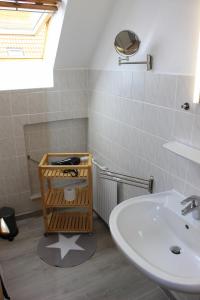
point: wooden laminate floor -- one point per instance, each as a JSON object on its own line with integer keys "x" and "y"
{"x": 107, "y": 275}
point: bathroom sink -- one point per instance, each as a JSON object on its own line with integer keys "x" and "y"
{"x": 162, "y": 243}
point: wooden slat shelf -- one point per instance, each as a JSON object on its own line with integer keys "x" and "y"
{"x": 48, "y": 157}
{"x": 61, "y": 215}
{"x": 69, "y": 222}
{"x": 55, "y": 198}
{"x": 59, "y": 173}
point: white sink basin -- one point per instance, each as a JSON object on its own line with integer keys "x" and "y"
{"x": 145, "y": 228}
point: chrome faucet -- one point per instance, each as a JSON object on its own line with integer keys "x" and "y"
{"x": 193, "y": 203}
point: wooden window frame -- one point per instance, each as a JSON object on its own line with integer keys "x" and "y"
{"x": 33, "y": 5}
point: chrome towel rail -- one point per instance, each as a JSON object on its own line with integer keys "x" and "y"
{"x": 105, "y": 173}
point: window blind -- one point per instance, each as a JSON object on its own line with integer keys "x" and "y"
{"x": 33, "y": 5}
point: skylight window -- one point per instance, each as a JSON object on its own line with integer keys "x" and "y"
{"x": 20, "y": 22}
{"x": 23, "y": 34}
{"x": 29, "y": 36}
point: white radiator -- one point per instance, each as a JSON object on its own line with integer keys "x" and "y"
{"x": 104, "y": 195}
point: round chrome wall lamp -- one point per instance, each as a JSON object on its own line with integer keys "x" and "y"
{"x": 127, "y": 44}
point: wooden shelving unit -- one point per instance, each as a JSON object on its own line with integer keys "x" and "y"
{"x": 59, "y": 214}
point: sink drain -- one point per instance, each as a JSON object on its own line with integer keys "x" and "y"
{"x": 175, "y": 249}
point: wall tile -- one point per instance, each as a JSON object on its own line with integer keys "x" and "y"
{"x": 162, "y": 180}
{"x": 152, "y": 150}
{"x": 2, "y": 189}
{"x": 189, "y": 190}
{"x": 53, "y": 116}
{"x": 70, "y": 79}
{"x": 5, "y": 104}
{"x": 11, "y": 184}
{"x": 18, "y": 124}
{"x": 160, "y": 89}
{"x": 38, "y": 140}
{"x": 96, "y": 101}
{"x": 173, "y": 164}
{"x": 193, "y": 174}
{"x": 73, "y": 101}
{"x": 129, "y": 112}
{"x": 110, "y": 105}
{"x": 196, "y": 131}
{"x": 37, "y": 103}
{"x": 148, "y": 149}
{"x": 138, "y": 86}
{"x": 25, "y": 205}
{"x": 184, "y": 92}
{"x": 113, "y": 82}
{"x": 19, "y": 103}
{"x": 94, "y": 79}
{"x": 122, "y": 84}
{"x": 12, "y": 200}
{"x": 53, "y": 101}
{"x": 9, "y": 167}
{"x": 20, "y": 148}
{"x": 182, "y": 130}
{"x": 6, "y": 130}
{"x": 22, "y": 169}
{"x": 158, "y": 121}
{"x": 37, "y": 118}
{"x": 102, "y": 81}
{"x": 22, "y": 203}
{"x": 7, "y": 148}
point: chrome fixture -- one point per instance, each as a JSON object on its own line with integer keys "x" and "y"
{"x": 146, "y": 184}
{"x": 148, "y": 62}
{"x": 193, "y": 203}
{"x": 185, "y": 106}
{"x": 127, "y": 43}
{"x": 175, "y": 249}
{"x": 105, "y": 173}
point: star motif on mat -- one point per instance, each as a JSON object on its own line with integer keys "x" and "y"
{"x": 66, "y": 244}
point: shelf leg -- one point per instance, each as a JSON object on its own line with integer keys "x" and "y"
{"x": 49, "y": 184}
{"x": 41, "y": 178}
{"x": 90, "y": 198}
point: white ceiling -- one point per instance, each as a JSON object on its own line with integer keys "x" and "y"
{"x": 83, "y": 25}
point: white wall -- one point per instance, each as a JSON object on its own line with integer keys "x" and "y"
{"x": 83, "y": 24}
{"x": 168, "y": 29}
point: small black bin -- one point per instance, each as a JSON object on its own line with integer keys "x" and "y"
{"x": 8, "y": 226}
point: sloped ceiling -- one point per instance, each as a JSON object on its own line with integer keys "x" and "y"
{"x": 83, "y": 25}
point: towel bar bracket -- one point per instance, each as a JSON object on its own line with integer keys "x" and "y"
{"x": 142, "y": 183}
{"x": 148, "y": 62}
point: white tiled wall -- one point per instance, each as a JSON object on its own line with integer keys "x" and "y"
{"x": 58, "y": 136}
{"x": 66, "y": 101}
{"x": 131, "y": 116}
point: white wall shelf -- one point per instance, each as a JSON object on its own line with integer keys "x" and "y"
{"x": 184, "y": 151}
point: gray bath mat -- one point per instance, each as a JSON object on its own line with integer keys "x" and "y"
{"x": 66, "y": 250}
